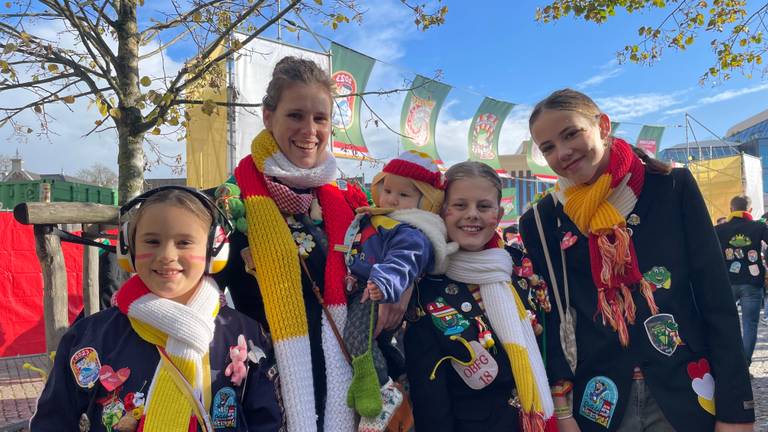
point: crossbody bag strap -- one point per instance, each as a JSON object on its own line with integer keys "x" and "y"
{"x": 550, "y": 269}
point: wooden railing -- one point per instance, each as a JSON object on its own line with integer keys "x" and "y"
{"x": 95, "y": 219}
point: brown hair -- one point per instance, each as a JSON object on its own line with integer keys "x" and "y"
{"x": 174, "y": 197}
{"x": 291, "y": 70}
{"x": 571, "y": 100}
{"x": 471, "y": 169}
{"x": 740, "y": 203}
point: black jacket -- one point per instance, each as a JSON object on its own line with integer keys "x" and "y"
{"x": 110, "y": 335}
{"x": 741, "y": 243}
{"x": 674, "y": 237}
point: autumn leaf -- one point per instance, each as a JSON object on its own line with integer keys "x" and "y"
{"x": 53, "y": 68}
{"x": 115, "y": 113}
{"x": 155, "y": 131}
{"x": 68, "y": 99}
{"x": 146, "y": 81}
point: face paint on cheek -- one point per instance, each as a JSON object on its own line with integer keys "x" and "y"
{"x": 144, "y": 256}
{"x": 197, "y": 258}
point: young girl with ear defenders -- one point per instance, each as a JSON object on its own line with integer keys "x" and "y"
{"x": 169, "y": 356}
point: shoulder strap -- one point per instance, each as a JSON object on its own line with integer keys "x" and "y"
{"x": 550, "y": 269}
{"x": 185, "y": 387}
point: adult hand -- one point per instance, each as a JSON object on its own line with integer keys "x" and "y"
{"x": 568, "y": 425}
{"x": 391, "y": 314}
{"x": 734, "y": 427}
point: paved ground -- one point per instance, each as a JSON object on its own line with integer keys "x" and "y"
{"x": 19, "y": 388}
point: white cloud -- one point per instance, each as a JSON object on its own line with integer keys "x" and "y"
{"x": 730, "y": 94}
{"x": 624, "y": 108}
{"x": 607, "y": 71}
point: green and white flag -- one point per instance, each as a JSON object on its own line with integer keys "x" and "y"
{"x": 509, "y": 204}
{"x": 484, "y": 132}
{"x": 650, "y": 139}
{"x": 614, "y": 128}
{"x": 419, "y": 116}
{"x": 351, "y": 71}
{"x": 537, "y": 163}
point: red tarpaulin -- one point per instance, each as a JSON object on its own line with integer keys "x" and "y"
{"x": 22, "y": 330}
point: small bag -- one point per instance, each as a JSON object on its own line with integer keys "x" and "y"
{"x": 567, "y": 320}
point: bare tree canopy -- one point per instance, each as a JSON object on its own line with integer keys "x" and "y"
{"x": 734, "y": 29}
{"x": 98, "y": 174}
{"x": 96, "y": 47}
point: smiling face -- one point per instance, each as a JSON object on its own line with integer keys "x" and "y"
{"x": 472, "y": 212}
{"x": 573, "y": 144}
{"x": 301, "y": 123}
{"x": 170, "y": 250}
{"x": 398, "y": 192}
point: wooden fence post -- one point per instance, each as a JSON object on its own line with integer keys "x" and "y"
{"x": 48, "y": 248}
{"x": 90, "y": 280}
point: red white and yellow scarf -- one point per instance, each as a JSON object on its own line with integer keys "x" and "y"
{"x": 599, "y": 210}
{"x": 276, "y": 262}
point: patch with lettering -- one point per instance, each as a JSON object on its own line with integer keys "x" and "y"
{"x": 85, "y": 366}
{"x": 481, "y": 372}
{"x": 599, "y": 400}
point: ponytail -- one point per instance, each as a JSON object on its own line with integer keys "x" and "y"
{"x": 653, "y": 165}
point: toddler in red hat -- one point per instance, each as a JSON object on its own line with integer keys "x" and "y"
{"x": 387, "y": 249}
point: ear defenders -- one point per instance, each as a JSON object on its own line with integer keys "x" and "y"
{"x": 217, "y": 249}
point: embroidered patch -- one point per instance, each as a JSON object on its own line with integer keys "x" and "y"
{"x": 739, "y": 240}
{"x": 112, "y": 412}
{"x": 481, "y": 372}
{"x": 523, "y": 284}
{"x": 703, "y": 384}
{"x": 754, "y": 270}
{"x": 452, "y": 289}
{"x": 599, "y": 400}
{"x": 525, "y": 269}
{"x": 752, "y": 255}
{"x": 739, "y": 253}
{"x": 633, "y": 219}
{"x": 659, "y": 276}
{"x": 568, "y": 240}
{"x": 111, "y": 379}
{"x": 729, "y": 254}
{"x": 663, "y": 333}
{"x": 85, "y": 366}
{"x": 224, "y": 409}
{"x": 446, "y": 318}
{"x": 735, "y": 267}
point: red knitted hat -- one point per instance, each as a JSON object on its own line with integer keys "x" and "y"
{"x": 418, "y": 166}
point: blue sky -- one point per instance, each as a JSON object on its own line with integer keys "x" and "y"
{"x": 496, "y": 50}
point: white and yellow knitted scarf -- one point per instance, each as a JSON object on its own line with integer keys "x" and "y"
{"x": 491, "y": 269}
{"x": 185, "y": 333}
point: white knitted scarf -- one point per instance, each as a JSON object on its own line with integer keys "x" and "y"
{"x": 189, "y": 327}
{"x": 492, "y": 269}
{"x": 278, "y": 166}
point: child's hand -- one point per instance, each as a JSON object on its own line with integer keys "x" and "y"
{"x": 373, "y": 292}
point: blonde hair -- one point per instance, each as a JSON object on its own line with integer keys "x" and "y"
{"x": 472, "y": 169}
{"x": 174, "y": 197}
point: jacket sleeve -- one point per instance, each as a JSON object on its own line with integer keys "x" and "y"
{"x": 260, "y": 405}
{"x": 407, "y": 254}
{"x": 556, "y": 364}
{"x": 712, "y": 293}
{"x": 58, "y": 406}
{"x": 432, "y": 410}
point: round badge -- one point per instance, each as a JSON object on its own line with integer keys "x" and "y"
{"x": 452, "y": 289}
{"x": 466, "y": 307}
{"x": 633, "y": 219}
{"x": 523, "y": 284}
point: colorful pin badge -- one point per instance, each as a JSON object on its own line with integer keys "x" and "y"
{"x": 740, "y": 240}
{"x": 112, "y": 412}
{"x": 111, "y": 379}
{"x": 633, "y": 219}
{"x": 599, "y": 400}
{"x": 663, "y": 332}
{"x": 84, "y": 425}
{"x": 703, "y": 384}
{"x": 466, "y": 307}
{"x": 735, "y": 267}
{"x": 523, "y": 284}
{"x": 224, "y": 409}
{"x": 752, "y": 255}
{"x": 729, "y": 254}
{"x": 738, "y": 253}
{"x": 481, "y": 372}
{"x": 754, "y": 270}
{"x": 446, "y": 318}
{"x": 659, "y": 276}
{"x": 568, "y": 240}
{"x": 85, "y": 367}
{"x": 452, "y": 289}
{"x": 525, "y": 269}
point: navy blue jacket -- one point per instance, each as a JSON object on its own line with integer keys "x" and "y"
{"x": 110, "y": 335}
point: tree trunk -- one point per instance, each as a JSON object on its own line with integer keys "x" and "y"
{"x": 130, "y": 158}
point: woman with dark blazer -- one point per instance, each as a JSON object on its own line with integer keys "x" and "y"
{"x": 656, "y": 329}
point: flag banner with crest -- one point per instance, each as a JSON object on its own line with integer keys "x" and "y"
{"x": 650, "y": 139}
{"x": 509, "y": 204}
{"x": 614, "y": 128}
{"x": 351, "y": 71}
{"x": 485, "y": 130}
{"x": 537, "y": 163}
{"x": 419, "y": 116}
